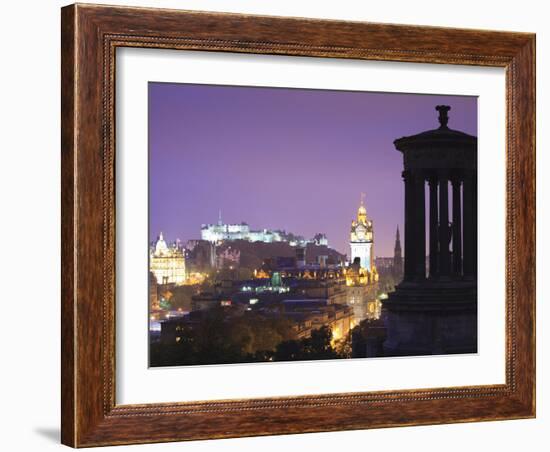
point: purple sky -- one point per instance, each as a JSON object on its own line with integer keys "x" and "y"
{"x": 289, "y": 159}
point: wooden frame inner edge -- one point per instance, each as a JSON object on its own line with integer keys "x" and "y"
{"x": 111, "y": 43}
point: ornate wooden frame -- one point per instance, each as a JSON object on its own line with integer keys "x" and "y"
{"x": 90, "y": 35}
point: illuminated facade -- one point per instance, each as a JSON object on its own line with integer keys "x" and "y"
{"x": 361, "y": 274}
{"x": 228, "y": 257}
{"x": 167, "y": 263}
{"x": 362, "y": 290}
{"x": 320, "y": 240}
{"x": 361, "y": 239}
{"x": 221, "y": 231}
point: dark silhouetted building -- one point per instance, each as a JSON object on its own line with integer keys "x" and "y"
{"x": 435, "y": 311}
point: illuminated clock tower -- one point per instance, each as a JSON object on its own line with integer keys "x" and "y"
{"x": 361, "y": 238}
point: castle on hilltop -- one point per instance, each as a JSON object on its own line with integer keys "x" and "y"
{"x": 221, "y": 231}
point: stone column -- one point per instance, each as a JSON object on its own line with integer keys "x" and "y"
{"x": 409, "y": 273}
{"x": 444, "y": 231}
{"x": 420, "y": 226}
{"x": 457, "y": 228}
{"x": 432, "y": 181}
{"x": 469, "y": 231}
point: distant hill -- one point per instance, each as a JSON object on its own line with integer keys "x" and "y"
{"x": 253, "y": 254}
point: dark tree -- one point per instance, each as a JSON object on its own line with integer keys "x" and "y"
{"x": 289, "y": 351}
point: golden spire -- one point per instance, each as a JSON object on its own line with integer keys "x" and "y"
{"x": 362, "y": 211}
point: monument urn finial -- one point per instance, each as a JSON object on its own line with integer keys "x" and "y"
{"x": 443, "y": 115}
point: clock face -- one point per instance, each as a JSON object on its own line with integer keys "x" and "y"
{"x": 361, "y": 232}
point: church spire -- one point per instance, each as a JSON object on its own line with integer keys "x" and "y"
{"x": 397, "y": 256}
{"x": 397, "y": 249}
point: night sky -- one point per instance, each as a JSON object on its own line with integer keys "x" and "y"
{"x": 290, "y": 159}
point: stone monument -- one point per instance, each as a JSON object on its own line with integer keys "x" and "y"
{"x": 434, "y": 309}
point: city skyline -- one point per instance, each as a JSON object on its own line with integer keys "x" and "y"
{"x": 278, "y": 158}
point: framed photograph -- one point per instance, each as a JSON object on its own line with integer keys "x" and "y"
{"x": 282, "y": 225}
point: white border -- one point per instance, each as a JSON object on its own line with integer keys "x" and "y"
{"x": 135, "y": 383}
